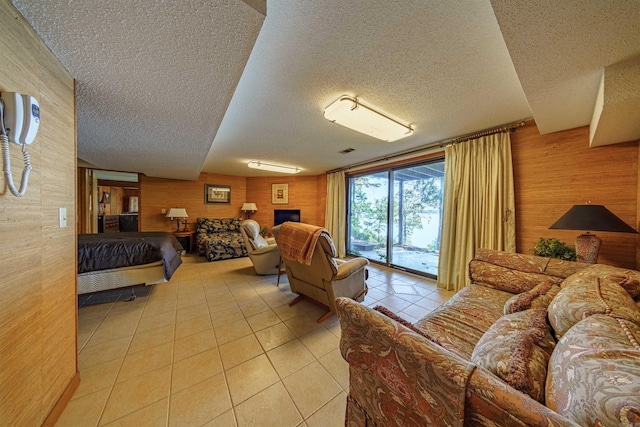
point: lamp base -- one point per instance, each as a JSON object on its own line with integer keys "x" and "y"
{"x": 587, "y": 248}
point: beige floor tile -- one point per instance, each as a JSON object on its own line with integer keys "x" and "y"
{"x": 311, "y": 388}
{"x": 136, "y": 364}
{"x": 253, "y": 307}
{"x": 139, "y": 392}
{"x": 228, "y": 318}
{"x": 337, "y": 367}
{"x": 274, "y": 336}
{"x": 415, "y": 311}
{"x": 320, "y": 342}
{"x": 239, "y": 351}
{"x": 261, "y": 410}
{"x": 193, "y": 326}
{"x": 200, "y": 403}
{"x": 155, "y": 321}
{"x": 194, "y": 344}
{"x": 330, "y": 415}
{"x": 195, "y": 369}
{"x": 232, "y": 331}
{"x": 263, "y": 320}
{"x": 155, "y": 414}
{"x": 92, "y": 355}
{"x": 228, "y": 419}
{"x": 85, "y": 411}
{"x": 250, "y": 378}
{"x": 189, "y": 312}
{"x": 290, "y": 357}
{"x": 98, "y": 377}
{"x": 143, "y": 340}
{"x": 394, "y": 303}
{"x": 222, "y": 317}
{"x": 302, "y": 325}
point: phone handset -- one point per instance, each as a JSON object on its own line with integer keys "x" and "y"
{"x": 19, "y": 123}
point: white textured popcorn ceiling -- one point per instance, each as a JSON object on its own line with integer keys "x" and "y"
{"x": 174, "y": 88}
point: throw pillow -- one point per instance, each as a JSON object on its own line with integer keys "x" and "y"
{"x": 594, "y": 374}
{"x": 540, "y": 296}
{"x": 517, "y": 348}
{"x": 583, "y": 296}
{"x": 628, "y": 279}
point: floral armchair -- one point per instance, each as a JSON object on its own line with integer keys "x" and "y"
{"x": 220, "y": 238}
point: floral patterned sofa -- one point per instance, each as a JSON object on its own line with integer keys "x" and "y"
{"x": 220, "y": 238}
{"x": 531, "y": 342}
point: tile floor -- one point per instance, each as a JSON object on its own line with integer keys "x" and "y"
{"x": 219, "y": 346}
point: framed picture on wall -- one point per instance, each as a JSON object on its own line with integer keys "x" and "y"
{"x": 217, "y": 194}
{"x": 280, "y": 194}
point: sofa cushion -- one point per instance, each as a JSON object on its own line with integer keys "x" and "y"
{"x": 594, "y": 373}
{"x": 628, "y": 279}
{"x": 540, "y": 296}
{"x": 458, "y": 324}
{"x": 517, "y": 349}
{"x": 584, "y": 295}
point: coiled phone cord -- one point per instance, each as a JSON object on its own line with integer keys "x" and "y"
{"x": 6, "y": 167}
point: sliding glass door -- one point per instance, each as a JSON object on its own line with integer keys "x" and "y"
{"x": 395, "y": 216}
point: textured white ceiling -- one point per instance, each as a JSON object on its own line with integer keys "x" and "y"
{"x": 560, "y": 49}
{"x": 155, "y": 78}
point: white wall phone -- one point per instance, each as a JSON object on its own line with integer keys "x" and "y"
{"x": 19, "y": 123}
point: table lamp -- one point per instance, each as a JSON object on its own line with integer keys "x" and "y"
{"x": 177, "y": 213}
{"x": 249, "y": 208}
{"x": 590, "y": 218}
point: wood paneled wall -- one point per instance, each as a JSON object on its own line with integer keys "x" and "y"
{"x": 304, "y": 194}
{"x": 556, "y": 171}
{"x": 159, "y": 193}
{"x": 307, "y": 193}
{"x": 38, "y": 296}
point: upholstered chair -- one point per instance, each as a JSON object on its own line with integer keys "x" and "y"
{"x": 327, "y": 277}
{"x": 264, "y": 253}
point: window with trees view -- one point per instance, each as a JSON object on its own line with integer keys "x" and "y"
{"x": 395, "y": 216}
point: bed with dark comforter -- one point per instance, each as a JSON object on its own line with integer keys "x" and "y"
{"x": 116, "y": 260}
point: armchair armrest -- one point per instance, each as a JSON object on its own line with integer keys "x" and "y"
{"x": 347, "y": 268}
{"x": 265, "y": 250}
{"x": 393, "y": 370}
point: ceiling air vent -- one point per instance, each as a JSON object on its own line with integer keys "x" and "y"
{"x": 348, "y": 150}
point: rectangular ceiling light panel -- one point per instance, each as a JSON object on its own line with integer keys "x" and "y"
{"x": 351, "y": 113}
{"x": 257, "y": 164}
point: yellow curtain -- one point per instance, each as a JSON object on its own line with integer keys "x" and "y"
{"x": 336, "y": 212}
{"x": 479, "y": 205}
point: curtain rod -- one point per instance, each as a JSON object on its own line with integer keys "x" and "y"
{"x": 441, "y": 144}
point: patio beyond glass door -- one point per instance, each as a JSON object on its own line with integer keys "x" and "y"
{"x": 398, "y": 225}
{"x": 417, "y": 204}
{"x": 368, "y": 208}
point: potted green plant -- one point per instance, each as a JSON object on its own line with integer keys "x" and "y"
{"x": 264, "y": 231}
{"x": 554, "y": 248}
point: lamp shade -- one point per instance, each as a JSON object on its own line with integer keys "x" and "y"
{"x": 591, "y": 218}
{"x": 177, "y": 213}
{"x": 249, "y": 207}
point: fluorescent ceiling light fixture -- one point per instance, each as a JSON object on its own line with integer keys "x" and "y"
{"x": 257, "y": 164}
{"x": 350, "y": 112}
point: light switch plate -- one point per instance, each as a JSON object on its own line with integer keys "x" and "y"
{"x": 63, "y": 217}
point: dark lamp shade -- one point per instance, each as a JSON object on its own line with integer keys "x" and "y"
{"x": 591, "y": 218}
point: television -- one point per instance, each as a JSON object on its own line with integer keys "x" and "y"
{"x": 282, "y": 215}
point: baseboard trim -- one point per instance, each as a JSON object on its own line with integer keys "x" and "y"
{"x": 66, "y": 396}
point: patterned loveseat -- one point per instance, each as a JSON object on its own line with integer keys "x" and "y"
{"x": 531, "y": 342}
{"x": 220, "y": 238}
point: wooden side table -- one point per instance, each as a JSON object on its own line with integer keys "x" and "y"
{"x": 189, "y": 236}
